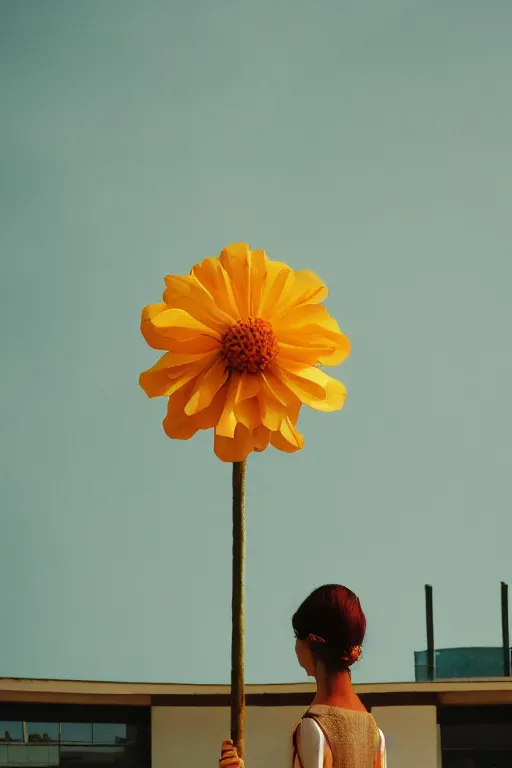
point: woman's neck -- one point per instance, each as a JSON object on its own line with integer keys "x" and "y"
{"x": 336, "y": 691}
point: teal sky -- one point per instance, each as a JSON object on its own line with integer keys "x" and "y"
{"x": 367, "y": 140}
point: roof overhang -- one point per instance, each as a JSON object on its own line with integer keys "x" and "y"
{"x": 439, "y": 693}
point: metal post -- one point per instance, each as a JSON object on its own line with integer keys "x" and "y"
{"x": 431, "y": 663}
{"x": 505, "y": 629}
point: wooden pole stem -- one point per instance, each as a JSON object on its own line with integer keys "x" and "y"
{"x": 238, "y": 610}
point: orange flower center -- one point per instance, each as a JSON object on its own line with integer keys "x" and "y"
{"x": 249, "y": 346}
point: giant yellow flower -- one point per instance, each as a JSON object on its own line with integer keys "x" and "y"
{"x": 243, "y": 338}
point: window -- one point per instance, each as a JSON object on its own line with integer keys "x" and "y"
{"x": 76, "y": 733}
{"x": 11, "y": 731}
{"x": 108, "y": 733}
{"x": 489, "y": 759}
{"x": 476, "y": 737}
{"x": 42, "y": 733}
{"x": 54, "y": 736}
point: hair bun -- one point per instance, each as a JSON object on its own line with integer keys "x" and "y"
{"x": 352, "y": 655}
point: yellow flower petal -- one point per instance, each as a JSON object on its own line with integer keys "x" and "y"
{"x": 248, "y": 413}
{"x": 335, "y": 396}
{"x": 275, "y": 387}
{"x": 179, "y": 325}
{"x": 298, "y": 354}
{"x": 151, "y": 335}
{"x": 247, "y": 272}
{"x": 249, "y": 386}
{"x": 276, "y": 402}
{"x": 241, "y": 387}
{"x": 213, "y": 277}
{"x": 236, "y": 448}
{"x": 176, "y": 424}
{"x": 314, "y": 388}
{"x": 258, "y": 271}
{"x": 179, "y": 426}
{"x": 278, "y": 275}
{"x": 227, "y": 422}
{"x": 188, "y": 294}
{"x": 272, "y": 413}
{"x": 178, "y": 359}
{"x": 236, "y": 261}
{"x": 162, "y": 381}
{"x": 155, "y": 338}
{"x": 304, "y": 288}
{"x": 261, "y": 437}
{"x": 288, "y": 439}
{"x": 303, "y": 382}
{"x": 311, "y": 327}
{"x": 199, "y": 344}
{"x": 297, "y": 318}
{"x": 206, "y": 387}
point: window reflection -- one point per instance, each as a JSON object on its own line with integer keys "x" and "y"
{"x": 476, "y": 737}
{"x": 42, "y": 732}
{"x": 494, "y": 759}
{"x": 76, "y": 733}
{"x": 77, "y": 737}
{"x": 109, "y": 733}
{"x": 10, "y": 730}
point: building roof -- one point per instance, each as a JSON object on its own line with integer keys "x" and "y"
{"x": 440, "y": 693}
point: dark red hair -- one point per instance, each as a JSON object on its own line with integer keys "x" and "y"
{"x": 332, "y": 619}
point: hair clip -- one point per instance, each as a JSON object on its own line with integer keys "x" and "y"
{"x": 316, "y": 639}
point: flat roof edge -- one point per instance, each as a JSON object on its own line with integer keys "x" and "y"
{"x": 21, "y": 686}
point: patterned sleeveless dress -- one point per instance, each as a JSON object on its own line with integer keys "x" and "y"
{"x": 352, "y": 737}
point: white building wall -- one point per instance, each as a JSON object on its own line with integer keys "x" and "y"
{"x": 412, "y": 736}
{"x": 192, "y": 736}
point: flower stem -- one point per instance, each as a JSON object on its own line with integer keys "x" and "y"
{"x": 237, "y": 610}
